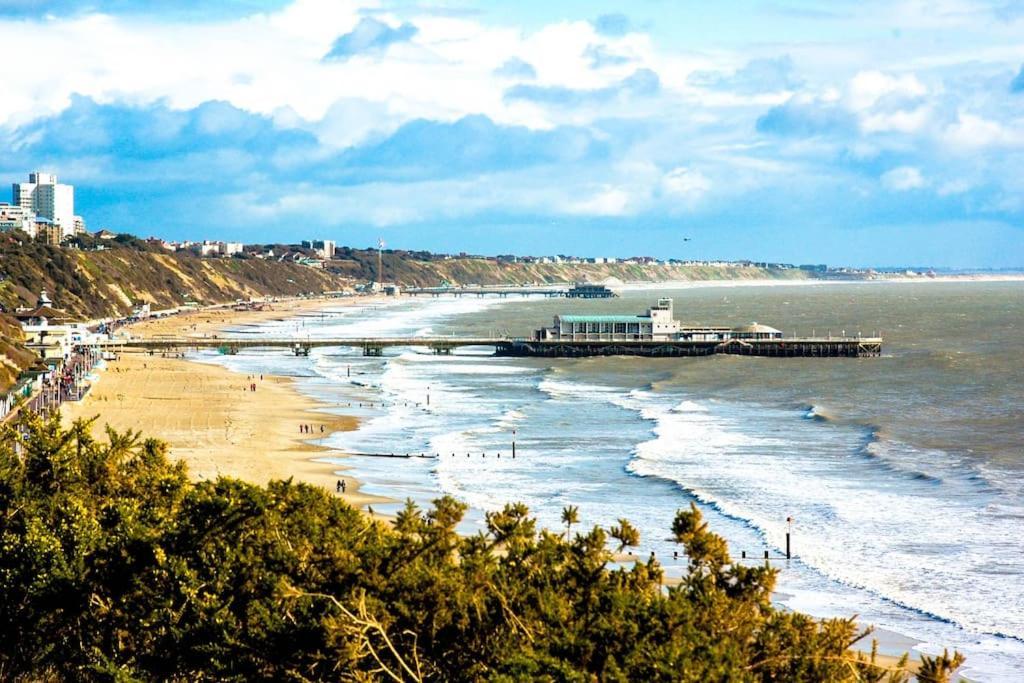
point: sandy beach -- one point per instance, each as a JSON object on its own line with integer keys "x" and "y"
{"x": 211, "y": 417}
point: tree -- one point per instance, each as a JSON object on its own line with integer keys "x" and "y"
{"x": 570, "y": 516}
{"x": 626, "y": 534}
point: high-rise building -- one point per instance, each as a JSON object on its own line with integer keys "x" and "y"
{"x": 46, "y": 197}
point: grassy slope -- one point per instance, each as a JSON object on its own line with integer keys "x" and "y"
{"x": 14, "y": 357}
{"x": 409, "y": 272}
{"x": 104, "y": 283}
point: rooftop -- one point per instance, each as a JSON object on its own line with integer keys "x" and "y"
{"x": 603, "y": 319}
{"x": 756, "y": 328}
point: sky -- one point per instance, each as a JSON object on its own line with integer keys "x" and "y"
{"x": 867, "y": 133}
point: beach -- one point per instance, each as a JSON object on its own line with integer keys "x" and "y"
{"x": 211, "y": 418}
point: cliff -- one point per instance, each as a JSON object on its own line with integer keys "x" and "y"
{"x": 93, "y": 284}
{"x": 423, "y": 270}
{"x": 14, "y": 357}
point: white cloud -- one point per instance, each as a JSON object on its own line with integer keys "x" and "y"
{"x": 903, "y": 178}
{"x": 954, "y": 187}
{"x": 972, "y": 132}
{"x": 608, "y": 201}
{"x": 868, "y": 87}
{"x": 899, "y": 121}
{"x": 685, "y": 183}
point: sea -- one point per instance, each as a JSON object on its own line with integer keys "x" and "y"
{"x": 900, "y": 479}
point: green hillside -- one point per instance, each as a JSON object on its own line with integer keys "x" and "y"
{"x": 14, "y": 357}
{"x": 420, "y": 269}
{"x": 93, "y": 284}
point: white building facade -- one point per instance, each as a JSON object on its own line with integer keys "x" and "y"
{"x": 47, "y": 198}
{"x": 16, "y": 217}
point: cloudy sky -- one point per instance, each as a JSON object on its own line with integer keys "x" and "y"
{"x": 875, "y": 132}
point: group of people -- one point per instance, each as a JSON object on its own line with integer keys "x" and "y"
{"x": 308, "y": 429}
{"x": 339, "y": 487}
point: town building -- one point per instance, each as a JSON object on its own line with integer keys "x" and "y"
{"x": 323, "y": 248}
{"x": 17, "y": 217}
{"x": 45, "y": 330}
{"x": 230, "y": 248}
{"x": 44, "y": 196}
{"x": 204, "y": 248}
{"x": 47, "y": 231}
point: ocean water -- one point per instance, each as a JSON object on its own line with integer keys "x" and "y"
{"x": 904, "y": 474}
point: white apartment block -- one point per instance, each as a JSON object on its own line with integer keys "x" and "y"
{"x": 16, "y": 217}
{"x": 323, "y": 248}
{"x": 230, "y": 248}
{"x": 205, "y": 248}
{"x": 48, "y": 199}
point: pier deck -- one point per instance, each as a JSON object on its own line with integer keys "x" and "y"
{"x": 503, "y": 292}
{"x": 823, "y": 347}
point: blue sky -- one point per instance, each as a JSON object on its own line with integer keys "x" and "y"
{"x": 864, "y": 133}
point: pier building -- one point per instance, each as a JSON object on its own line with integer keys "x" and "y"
{"x": 587, "y": 290}
{"x": 658, "y": 324}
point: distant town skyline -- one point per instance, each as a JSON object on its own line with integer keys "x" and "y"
{"x": 851, "y": 133}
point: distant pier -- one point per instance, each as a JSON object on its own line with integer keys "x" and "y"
{"x": 580, "y": 290}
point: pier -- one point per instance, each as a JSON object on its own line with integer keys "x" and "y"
{"x": 809, "y": 347}
{"x": 503, "y": 292}
{"x": 580, "y": 290}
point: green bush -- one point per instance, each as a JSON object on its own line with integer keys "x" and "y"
{"x": 115, "y": 566}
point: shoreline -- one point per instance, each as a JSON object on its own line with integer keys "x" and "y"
{"x": 210, "y": 416}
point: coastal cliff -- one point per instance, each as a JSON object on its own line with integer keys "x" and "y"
{"x": 14, "y": 357}
{"x": 95, "y": 284}
{"x": 421, "y": 270}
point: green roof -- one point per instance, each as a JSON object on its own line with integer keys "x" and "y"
{"x": 604, "y": 319}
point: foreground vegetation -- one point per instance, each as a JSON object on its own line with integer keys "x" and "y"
{"x": 115, "y": 566}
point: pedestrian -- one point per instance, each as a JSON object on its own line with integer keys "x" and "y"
{"x": 343, "y": 486}
{"x": 321, "y": 429}
{"x": 337, "y": 486}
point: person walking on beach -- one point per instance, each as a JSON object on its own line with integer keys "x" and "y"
{"x": 343, "y": 486}
{"x": 337, "y": 486}
{"x": 321, "y": 429}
